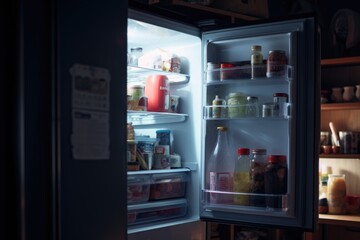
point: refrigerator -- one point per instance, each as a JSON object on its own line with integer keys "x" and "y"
{"x": 291, "y": 131}
{"x": 71, "y": 151}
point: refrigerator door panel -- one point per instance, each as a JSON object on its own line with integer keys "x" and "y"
{"x": 292, "y": 133}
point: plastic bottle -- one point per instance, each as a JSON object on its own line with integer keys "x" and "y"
{"x": 241, "y": 176}
{"x": 257, "y": 177}
{"x": 221, "y": 169}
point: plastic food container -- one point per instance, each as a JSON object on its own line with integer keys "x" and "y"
{"x": 167, "y": 186}
{"x": 138, "y": 189}
{"x": 151, "y": 213}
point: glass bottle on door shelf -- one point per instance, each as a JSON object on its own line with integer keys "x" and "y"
{"x": 220, "y": 170}
{"x": 241, "y": 177}
{"x": 257, "y": 177}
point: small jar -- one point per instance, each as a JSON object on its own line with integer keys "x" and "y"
{"x": 213, "y": 72}
{"x": 276, "y": 63}
{"x": 252, "y": 107}
{"x": 136, "y": 92}
{"x": 135, "y": 54}
{"x": 218, "y": 107}
{"x": 226, "y": 71}
{"x": 268, "y": 110}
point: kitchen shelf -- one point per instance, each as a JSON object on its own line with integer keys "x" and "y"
{"x": 340, "y": 106}
{"x": 348, "y": 220}
{"x": 139, "y": 74}
{"x": 340, "y": 61}
{"x": 333, "y": 155}
{"x": 151, "y": 118}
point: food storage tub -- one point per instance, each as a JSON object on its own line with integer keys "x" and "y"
{"x": 138, "y": 188}
{"x": 167, "y": 186}
{"x": 156, "y": 211}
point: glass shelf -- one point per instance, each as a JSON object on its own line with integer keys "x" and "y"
{"x": 139, "y": 75}
{"x": 151, "y": 118}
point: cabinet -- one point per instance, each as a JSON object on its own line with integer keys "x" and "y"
{"x": 345, "y": 115}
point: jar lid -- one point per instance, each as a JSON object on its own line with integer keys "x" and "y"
{"x": 227, "y": 65}
{"x": 243, "y": 151}
{"x": 236, "y": 94}
{"x": 273, "y": 159}
{"x": 256, "y": 47}
{"x": 221, "y": 128}
{"x": 280, "y": 95}
{"x": 251, "y": 98}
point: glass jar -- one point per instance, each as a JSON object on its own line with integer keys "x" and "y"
{"x": 257, "y": 177}
{"x": 236, "y": 105}
{"x": 135, "y": 54}
{"x": 336, "y": 194}
{"x": 252, "y": 107}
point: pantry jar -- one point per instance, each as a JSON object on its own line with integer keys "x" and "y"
{"x": 336, "y": 195}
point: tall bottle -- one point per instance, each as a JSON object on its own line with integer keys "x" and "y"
{"x": 241, "y": 177}
{"x": 220, "y": 170}
{"x": 257, "y": 177}
{"x": 256, "y": 61}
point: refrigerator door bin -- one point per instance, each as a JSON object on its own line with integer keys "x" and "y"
{"x": 138, "y": 189}
{"x": 167, "y": 186}
{"x": 156, "y": 212}
{"x": 274, "y": 204}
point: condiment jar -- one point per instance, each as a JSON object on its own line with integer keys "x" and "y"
{"x": 336, "y": 194}
{"x": 276, "y": 63}
{"x": 236, "y": 105}
{"x": 218, "y": 107}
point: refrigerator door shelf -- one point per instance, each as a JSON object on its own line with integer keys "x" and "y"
{"x": 139, "y": 74}
{"x": 151, "y": 118}
{"x": 277, "y": 204}
{"x": 208, "y": 112}
{"x": 237, "y": 73}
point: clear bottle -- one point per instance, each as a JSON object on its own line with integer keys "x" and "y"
{"x": 241, "y": 176}
{"x": 257, "y": 177}
{"x": 252, "y": 107}
{"x": 221, "y": 169}
{"x": 256, "y": 61}
{"x": 135, "y": 54}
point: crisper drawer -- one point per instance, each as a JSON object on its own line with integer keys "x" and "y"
{"x": 138, "y": 189}
{"x": 156, "y": 211}
{"x": 167, "y": 186}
